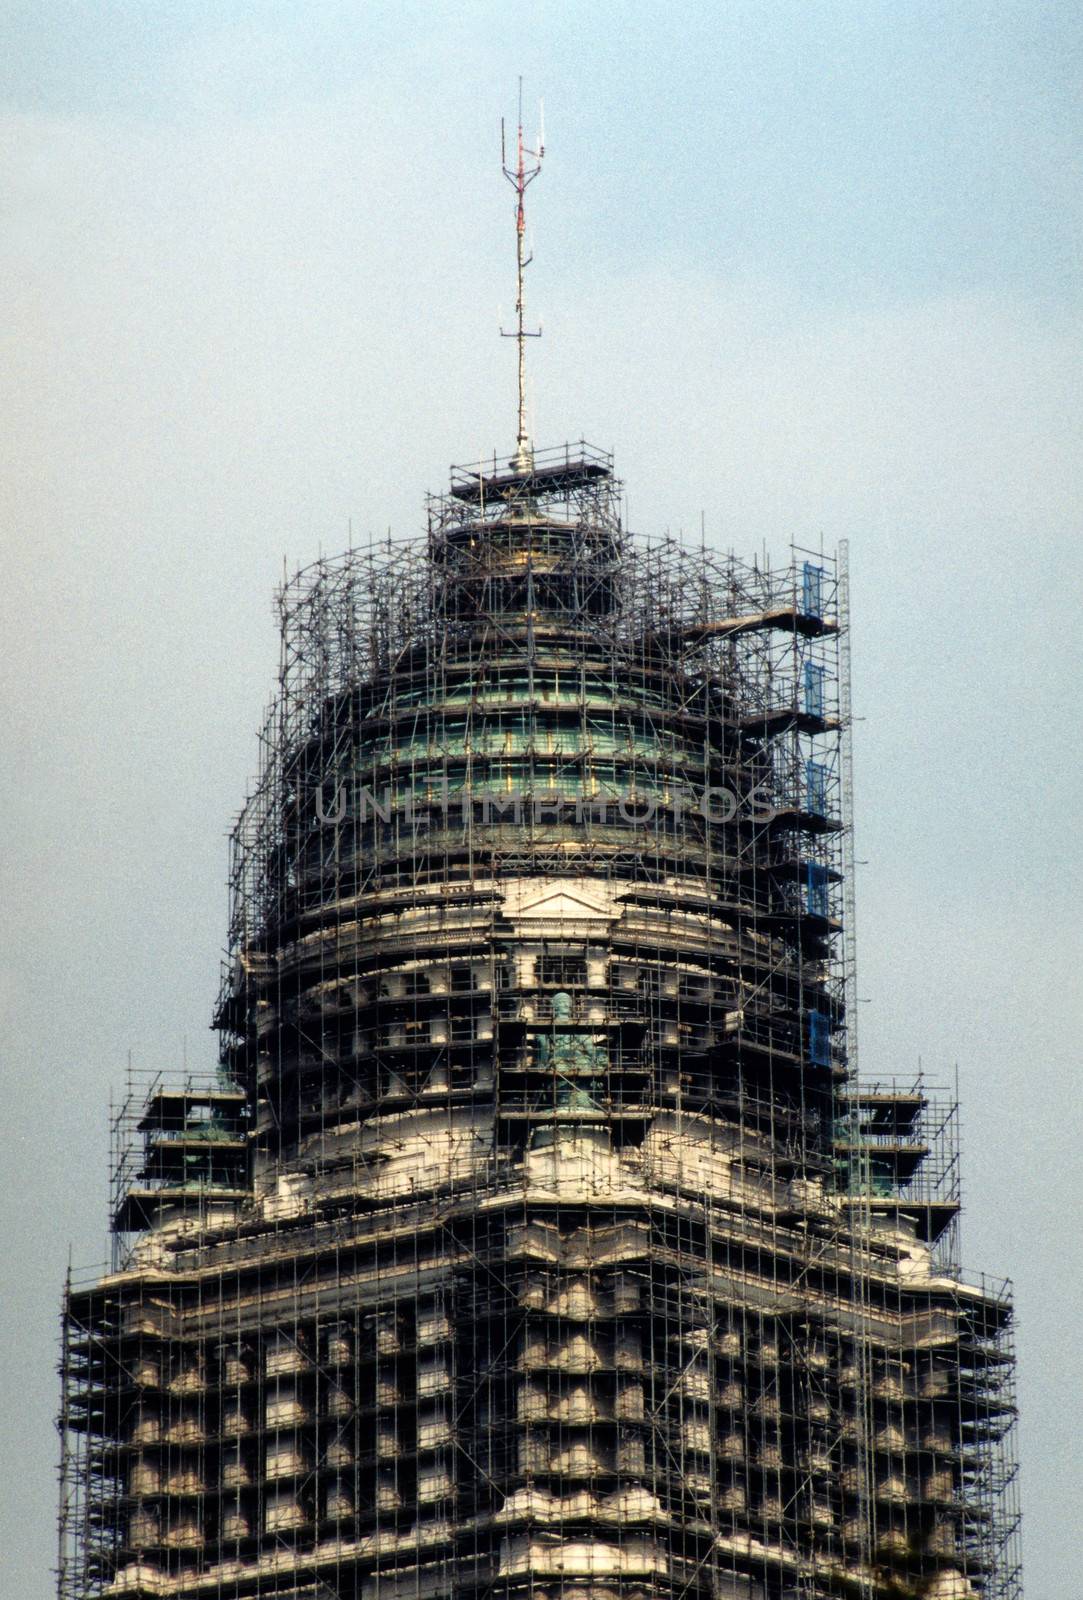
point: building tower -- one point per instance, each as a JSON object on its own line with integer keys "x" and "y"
{"x": 536, "y": 1237}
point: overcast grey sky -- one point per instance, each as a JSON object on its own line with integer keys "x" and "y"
{"x": 806, "y": 267}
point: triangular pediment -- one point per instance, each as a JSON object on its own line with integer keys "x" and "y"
{"x": 574, "y": 901}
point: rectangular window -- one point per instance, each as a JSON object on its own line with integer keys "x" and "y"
{"x": 650, "y": 981}
{"x": 562, "y": 971}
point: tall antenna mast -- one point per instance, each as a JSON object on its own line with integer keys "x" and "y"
{"x": 519, "y": 177}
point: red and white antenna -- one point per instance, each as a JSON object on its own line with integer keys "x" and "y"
{"x": 520, "y": 176}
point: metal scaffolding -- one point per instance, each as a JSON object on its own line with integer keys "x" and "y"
{"x": 536, "y": 1236}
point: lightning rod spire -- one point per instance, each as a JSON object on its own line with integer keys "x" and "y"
{"x": 520, "y": 176}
